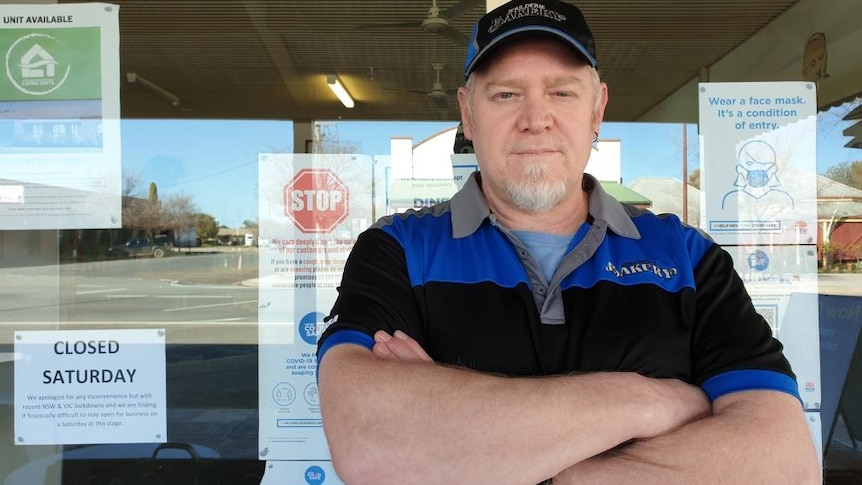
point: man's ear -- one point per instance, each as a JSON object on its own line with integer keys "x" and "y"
{"x": 600, "y": 108}
{"x": 464, "y": 105}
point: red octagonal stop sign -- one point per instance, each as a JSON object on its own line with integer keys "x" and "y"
{"x": 316, "y": 200}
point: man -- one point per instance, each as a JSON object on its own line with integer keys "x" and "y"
{"x": 534, "y": 329}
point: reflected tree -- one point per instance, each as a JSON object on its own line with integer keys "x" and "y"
{"x": 694, "y": 178}
{"x": 206, "y": 226}
{"x": 848, "y": 173}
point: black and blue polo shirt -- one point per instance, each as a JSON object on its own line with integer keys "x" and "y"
{"x": 637, "y": 292}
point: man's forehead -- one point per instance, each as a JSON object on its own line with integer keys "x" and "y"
{"x": 509, "y": 68}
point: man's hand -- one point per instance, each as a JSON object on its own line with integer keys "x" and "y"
{"x": 752, "y": 437}
{"x": 399, "y": 347}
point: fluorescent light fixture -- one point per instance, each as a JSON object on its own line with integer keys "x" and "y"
{"x": 335, "y": 85}
{"x": 172, "y": 98}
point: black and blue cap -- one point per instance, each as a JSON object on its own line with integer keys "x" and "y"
{"x": 554, "y": 17}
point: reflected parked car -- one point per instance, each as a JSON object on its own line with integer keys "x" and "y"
{"x": 156, "y": 247}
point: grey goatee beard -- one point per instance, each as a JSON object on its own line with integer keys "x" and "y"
{"x": 536, "y": 191}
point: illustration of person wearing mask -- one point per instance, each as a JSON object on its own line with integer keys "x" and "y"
{"x": 757, "y": 182}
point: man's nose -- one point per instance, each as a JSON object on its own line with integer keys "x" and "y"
{"x": 535, "y": 114}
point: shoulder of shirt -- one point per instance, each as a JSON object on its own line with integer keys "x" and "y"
{"x": 645, "y": 219}
{"x": 411, "y": 215}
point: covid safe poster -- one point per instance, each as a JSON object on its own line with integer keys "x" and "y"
{"x": 312, "y": 208}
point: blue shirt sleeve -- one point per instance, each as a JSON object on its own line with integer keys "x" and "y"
{"x": 345, "y": 336}
{"x": 749, "y": 380}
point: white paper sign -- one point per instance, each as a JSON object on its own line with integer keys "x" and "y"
{"x": 300, "y": 473}
{"x": 60, "y": 117}
{"x": 462, "y": 166}
{"x": 90, "y": 386}
{"x": 312, "y": 208}
{"x": 758, "y": 162}
{"x": 758, "y": 159}
{"x": 782, "y": 282}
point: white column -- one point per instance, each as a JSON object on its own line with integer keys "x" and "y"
{"x": 492, "y": 4}
{"x": 303, "y": 136}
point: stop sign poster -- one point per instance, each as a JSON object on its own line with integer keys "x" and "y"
{"x": 316, "y": 200}
{"x": 312, "y": 208}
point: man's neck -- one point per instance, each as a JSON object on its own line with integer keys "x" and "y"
{"x": 565, "y": 218}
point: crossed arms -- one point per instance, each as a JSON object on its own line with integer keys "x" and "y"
{"x": 394, "y": 416}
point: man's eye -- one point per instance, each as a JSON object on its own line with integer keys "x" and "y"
{"x": 505, "y": 95}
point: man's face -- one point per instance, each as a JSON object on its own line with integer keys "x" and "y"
{"x": 532, "y": 115}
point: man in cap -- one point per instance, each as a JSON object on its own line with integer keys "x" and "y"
{"x": 533, "y": 328}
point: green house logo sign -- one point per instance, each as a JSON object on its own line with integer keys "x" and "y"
{"x": 36, "y": 64}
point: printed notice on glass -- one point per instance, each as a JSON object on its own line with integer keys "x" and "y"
{"x": 90, "y": 386}
{"x": 60, "y": 117}
{"x": 312, "y": 208}
{"x": 462, "y": 166}
{"x": 758, "y": 162}
{"x": 308, "y": 472}
{"x": 782, "y": 283}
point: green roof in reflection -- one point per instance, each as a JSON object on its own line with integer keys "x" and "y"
{"x": 624, "y": 194}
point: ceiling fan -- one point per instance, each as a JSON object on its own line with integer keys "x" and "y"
{"x": 438, "y": 94}
{"x": 436, "y": 21}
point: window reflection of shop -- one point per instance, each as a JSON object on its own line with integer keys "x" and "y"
{"x": 417, "y": 193}
{"x": 58, "y": 133}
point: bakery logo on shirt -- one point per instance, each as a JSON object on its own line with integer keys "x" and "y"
{"x": 639, "y": 267}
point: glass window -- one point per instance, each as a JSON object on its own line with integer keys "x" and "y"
{"x": 213, "y": 251}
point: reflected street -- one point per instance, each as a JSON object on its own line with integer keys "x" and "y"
{"x": 846, "y": 284}
{"x": 185, "y": 288}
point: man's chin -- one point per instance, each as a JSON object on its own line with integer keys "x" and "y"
{"x": 536, "y": 198}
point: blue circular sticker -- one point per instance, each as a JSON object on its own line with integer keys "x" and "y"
{"x": 314, "y": 475}
{"x": 308, "y": 327}
{"x": 758, "y": 260}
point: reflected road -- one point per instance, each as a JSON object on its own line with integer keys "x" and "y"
{"x": 180, "y": 288}
{"x": 188, "y": 288}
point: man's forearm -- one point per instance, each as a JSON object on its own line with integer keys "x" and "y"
{"x": 754, "y": 437}
{"x": 397, "y": 422}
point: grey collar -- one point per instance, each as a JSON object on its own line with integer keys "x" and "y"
{"x": 469, "y": 208}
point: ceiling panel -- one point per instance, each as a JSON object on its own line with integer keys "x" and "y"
{"x": 268, "y": 59}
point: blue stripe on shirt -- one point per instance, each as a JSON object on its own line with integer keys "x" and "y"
{"x": 345, "y": 337}
{"x": 749, "y": 380}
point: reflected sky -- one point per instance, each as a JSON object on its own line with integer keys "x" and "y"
{"x": 215, "y": 161}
